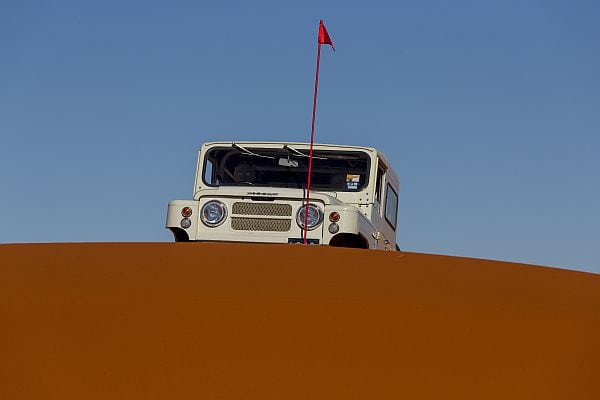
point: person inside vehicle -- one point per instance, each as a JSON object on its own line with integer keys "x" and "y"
{"x": 338, "y": 182}
{"x": 244, "y": 173}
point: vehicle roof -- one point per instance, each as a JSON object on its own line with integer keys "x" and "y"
{"x": 302, "y": 144}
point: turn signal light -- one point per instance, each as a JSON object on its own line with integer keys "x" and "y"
{"x": 334, "y": 216}
{"x": 186, "y": 212}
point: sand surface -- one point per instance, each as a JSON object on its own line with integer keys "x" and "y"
{"x": 240, "y": 321}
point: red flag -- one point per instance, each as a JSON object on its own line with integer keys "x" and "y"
{"x": 324, "y": 36}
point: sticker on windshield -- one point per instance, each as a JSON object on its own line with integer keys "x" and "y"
{"x": 352, "y": 181}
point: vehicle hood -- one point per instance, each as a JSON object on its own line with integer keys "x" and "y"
{"x": 256, "y": 193}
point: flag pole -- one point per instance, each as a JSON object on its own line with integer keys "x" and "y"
{"x": 312, "y": 140}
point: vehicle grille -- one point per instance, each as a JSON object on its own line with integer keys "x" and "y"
{"x": 260, "y": 224}
{"x": 270, "y": 209}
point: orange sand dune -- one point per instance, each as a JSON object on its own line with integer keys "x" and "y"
{"x": 240, "y": 321}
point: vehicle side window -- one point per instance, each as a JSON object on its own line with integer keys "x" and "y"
{"x": 391, "y": 206}
{"x": 379, "y": 183}
{"x": 208, "y": 172}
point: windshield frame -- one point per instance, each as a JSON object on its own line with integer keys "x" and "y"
{"x": 320, "y": 155}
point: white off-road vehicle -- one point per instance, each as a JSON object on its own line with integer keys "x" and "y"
{"x": 255, "y": 192}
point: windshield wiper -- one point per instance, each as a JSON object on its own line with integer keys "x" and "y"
{"x": 248, "y": 152}
{"x": 299, "y": 153}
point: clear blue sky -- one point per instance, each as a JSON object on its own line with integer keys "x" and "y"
{"x": 489, "y": 111}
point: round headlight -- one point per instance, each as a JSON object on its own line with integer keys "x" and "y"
{"x": 213, "y": 213}
{"x": 314, "y": 218}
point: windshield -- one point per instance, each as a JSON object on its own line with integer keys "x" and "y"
{"x": 286, "y": 167}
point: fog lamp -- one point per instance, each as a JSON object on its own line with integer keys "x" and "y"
{"x": 334, "y": 228}
{"x": 186, "y": 223}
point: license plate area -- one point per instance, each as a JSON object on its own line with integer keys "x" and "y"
{"x": 301, "y": 241}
